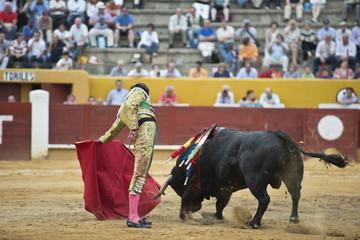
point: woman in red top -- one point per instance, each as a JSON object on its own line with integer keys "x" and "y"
{"x": 168, "y": 98}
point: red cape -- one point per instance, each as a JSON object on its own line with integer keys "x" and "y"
{"x": 101, "y": 165}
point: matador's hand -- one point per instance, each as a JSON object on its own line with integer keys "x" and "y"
{"x": 133, "y": 134}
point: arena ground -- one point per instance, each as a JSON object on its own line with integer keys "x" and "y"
{"x": 44, "y": 200}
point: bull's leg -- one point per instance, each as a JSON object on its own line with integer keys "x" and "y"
{"x": 294, "y": 188}
{"x": 259, "y": 191}
{"x": 221, "y": 203}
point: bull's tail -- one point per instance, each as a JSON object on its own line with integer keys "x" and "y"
{"x": 334, "y": 159}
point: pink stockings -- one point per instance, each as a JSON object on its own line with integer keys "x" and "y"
{"x": 133, "y": 207}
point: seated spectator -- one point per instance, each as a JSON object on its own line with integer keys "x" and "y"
{"x": 346, "y": 51}
{"x": 149, "y": 40}
{"x": 12, "y": 3}
{"x": 11, "y": 99}
{"x": 223, "y": 5}
{"x": 65, "y": 63}
{"x": 138, "y": 71}
{"x": 37, "y": 48}
{"x": 119, "y": 70}
{"x": 100, "y": 101}
{"x": 168, "y": 98}
{"x": 55, "y": 50}
{"x": 291, "y": 73}
{"x": 268, "y": 97}
{"x": 118, "y": 95}
{"x": 45, "y": 25}
{"x": 78, "y": 38}
{"x": 308, "y": 43}
{"x": 325, "y": 53}
{"x": 63, "y": 34}
{"x": 325, "y": 74}
{"x": 270, "y": 36}
{"x": 343, "y": 72}
{"x": 248, "y": 52}
{"x": 207, "y": 38}
{"x": 198, "y": 71}
{"x": 4, "y": 51}
{"x": 21, "y": 12}
{"x": 70, "y": 99}
{"x": 91, "y": 100}
{"x": 225, "y": 96}
{"x": 113, "y": 9}
{"x": 342, "y": 30}
{"x": 349, "y": 97}
{"x": 225, "y": 36}
{"x": 76, "y": 10}
{"x": 316, "y": 7}
{"x": 194, "y": 23}
{"x": 325, "y": 30}
{"x": 247, "y": 31}
{"x": 124, "y": 27}
{"x": 29, "y": 29}
{"x": 292, "y": 37}
{"x": 202, "y": 8}
{"x": 293, "y": 4}
{"x": 250, "y": 98}
{"x": 91, "y": 8}
{"x": 155, "y": 72}
{"x": 355, "y": 37}
{"x": 307, "y": 74}
{"x": 277, "y": 3}
{"x": 221, "y": 72}
{"x": 349, "y": 4}
{"x": 57, "y": 12}
{"x": 247, "y": 72}
{"x": 18, "y": 50}
{"x": 277, "y": 53}
{"x": 38, "y": 7}
{"x": 170, "y": 72}
{"x": 267, "y": 72}
{"x": 101, "y": 22}
{"x": 177, "y": 25}
{"x": 8, "y": 20}
{"x": 357, "y": 74}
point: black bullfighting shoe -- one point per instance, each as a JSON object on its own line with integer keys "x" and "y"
{"x": 143, "y": 220}
{"x": 137, "y": 225}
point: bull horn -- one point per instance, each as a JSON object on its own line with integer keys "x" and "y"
{"x": 164, "y": 186}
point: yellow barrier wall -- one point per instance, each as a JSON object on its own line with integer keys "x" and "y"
{"x": 200, "y": 92}
{"x": 78, "y": 79}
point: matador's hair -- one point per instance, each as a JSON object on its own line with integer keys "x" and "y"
{"x": 143, "y": 86}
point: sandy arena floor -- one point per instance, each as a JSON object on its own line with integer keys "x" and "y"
{"x": 44, "y": 200}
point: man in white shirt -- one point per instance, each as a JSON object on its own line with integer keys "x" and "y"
{"x": 78, "y": 38}
{"x": 65, "y": 63}
{"x": 139, "y": 71}
{"x": 118, "y": 95}
{"x": 101, "y": 22}
{"x": 247, "y": 72}
{"x": 268, "y": 97}
{"x": 325, "y": 53}
{"x": 346, "y": 50}
{"x": 225, "y": 36}
{"x": 225, "y": 96}
{"x": 342, "y": 30}
{"x": 37, "y": 48}
{"x": 57, "y": 11}
{"x": 177, "y": 25}
{"x": 76, "y": 10}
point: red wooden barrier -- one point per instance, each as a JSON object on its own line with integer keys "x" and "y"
{"x": 16, "y": 133}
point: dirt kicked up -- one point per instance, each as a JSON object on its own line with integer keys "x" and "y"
{"x": 44, "y": 200}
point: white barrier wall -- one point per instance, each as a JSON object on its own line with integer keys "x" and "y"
{"x": 39, "y": 124}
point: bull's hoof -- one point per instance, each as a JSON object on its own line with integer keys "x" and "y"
{"x": 294, "y": 220}
{"x": 185, "y": 215}
{"x": 254, "y": 225}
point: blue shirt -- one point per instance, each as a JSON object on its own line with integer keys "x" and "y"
{"x": 116, "y": 97}
{"x": 245, "y": 74}
{"x": 323, "y": 32}
{"x": 277, "y": 52}
{"x": 165, "y": 72}
{"x": 206, "y": 33}
{"x": 27, "y": 32}
{"x": 40, "y": 8}
{"x": 226, "y": 74}
{"x": 124, "y": 21}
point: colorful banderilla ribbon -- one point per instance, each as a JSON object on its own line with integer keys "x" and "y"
{"x": 182, "y": 148}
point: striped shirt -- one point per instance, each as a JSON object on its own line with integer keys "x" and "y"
{"x": 18, "y": 48}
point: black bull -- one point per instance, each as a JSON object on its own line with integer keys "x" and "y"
{"x": 233, "y": 160}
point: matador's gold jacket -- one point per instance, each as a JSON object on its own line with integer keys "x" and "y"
{"x": 135, "y": 107}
